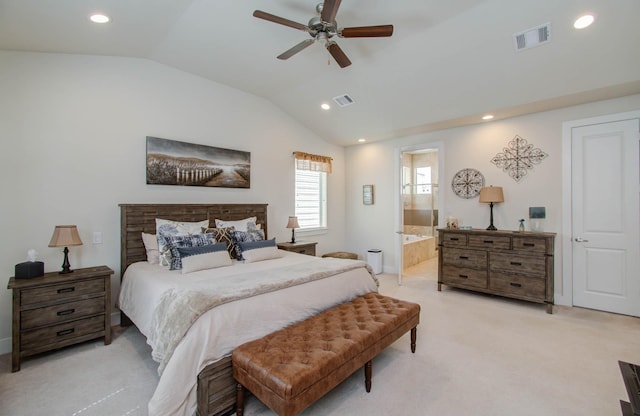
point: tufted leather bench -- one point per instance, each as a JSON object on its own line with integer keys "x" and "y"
{"x": 291, "y": 368}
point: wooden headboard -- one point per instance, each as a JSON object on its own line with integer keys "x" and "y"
{"x": 138, "y": 218}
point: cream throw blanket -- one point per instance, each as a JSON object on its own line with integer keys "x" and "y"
{"x": 180, "y": 307}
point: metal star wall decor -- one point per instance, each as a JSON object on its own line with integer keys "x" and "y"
{"x": 518, "y": 157}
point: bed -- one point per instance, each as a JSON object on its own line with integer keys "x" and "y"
{"x": 197, "y": 376}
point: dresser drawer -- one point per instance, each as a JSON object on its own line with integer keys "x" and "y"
{"x": 519, "y": 286}
{"x": 525, "y": 265}
{"x": 533, "y": 245}
{"x": 46, "y": 338}
{"x": 465, "y": 258}
{"x": 491, "y": 242}
{"x": 454, "y": 240}
{"x": 309, "y": 250}
{"x": 61, "y": 292}
{"x": 34, "y": 318}
{"x": 462, "y": 276}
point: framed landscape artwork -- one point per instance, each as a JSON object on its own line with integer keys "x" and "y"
{"x": 170, "y": 162}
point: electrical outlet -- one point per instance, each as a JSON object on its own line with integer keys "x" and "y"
{"x": 97, "y": 237}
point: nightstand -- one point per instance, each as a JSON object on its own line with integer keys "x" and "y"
{"x": 302, "y": 247}
{"x": 57, "y": 310}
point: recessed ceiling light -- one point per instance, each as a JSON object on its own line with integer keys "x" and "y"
{"x": 487, "y": 117}
{"x": 584, "y": 21}
{"x": 99, "y": 18}
{"x": 362, "y": 140}
{"x": 325, "y": 106}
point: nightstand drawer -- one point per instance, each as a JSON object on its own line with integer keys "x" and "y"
{"x": 460, "y": 276}
{"x": 48, "y": 337}
{"x": 520, "y": 286}
{"x": 309, "y": 251}
{"x": 533, "y": 266}
{"x": 465, "y": 258}
{"x": 60, "y": 292}
{"x": 34, "y": 318}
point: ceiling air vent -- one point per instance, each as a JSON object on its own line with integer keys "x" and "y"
{"x": 533, "y": 37}
{"x": 343, "y": 100}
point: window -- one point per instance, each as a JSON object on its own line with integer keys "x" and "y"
{"x": 311, "y": 199}
{"x": 423, "y": 180}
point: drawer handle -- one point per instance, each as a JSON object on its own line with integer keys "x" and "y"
{"x": 66, "y": 312}
{"x": 67, "y": 290}
{"x": 463, "y": 276}
{"x": 488, "y": 241}
{"x": 515, "y": 284}
{"x": 65, "y": 332}
{"x": 529, "y": 244}
{"x": 516, "y": 263}
{"x": 454, "y": 239}
{"x": 464, "y": 257}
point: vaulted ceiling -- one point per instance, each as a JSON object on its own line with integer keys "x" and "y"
{"x": 447, "y": 63}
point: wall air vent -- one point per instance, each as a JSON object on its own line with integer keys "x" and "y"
{"x": 343, "y": 100}
{"x": 533, "y": 37}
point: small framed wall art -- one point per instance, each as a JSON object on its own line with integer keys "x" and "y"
{"x": 367, "y": 194}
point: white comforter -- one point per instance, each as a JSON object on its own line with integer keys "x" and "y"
{"x": 217, "y": 332}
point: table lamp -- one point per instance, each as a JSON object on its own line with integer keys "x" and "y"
{"x": 293, "y": 224}
{"x": 491, "y": 195}
{"x": 64, "y": 236}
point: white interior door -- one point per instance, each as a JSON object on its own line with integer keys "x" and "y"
{"x": 605, "y": 216}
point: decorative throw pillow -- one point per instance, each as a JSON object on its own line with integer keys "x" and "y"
{"x": 166, "y": 228}
{"x": 223, "y": 235}
{"x": 253, "y": 251}
{"x": 175, "y": 242}
{"x": 204, "y": 257}
{"x": 151, "y": 246}
{"x": 240, "y": 225}
{"x": 238, "y": 237}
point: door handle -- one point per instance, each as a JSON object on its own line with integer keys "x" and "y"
{"x": 580, "y": 240}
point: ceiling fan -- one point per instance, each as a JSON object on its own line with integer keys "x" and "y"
{"x": 324, "y": 27}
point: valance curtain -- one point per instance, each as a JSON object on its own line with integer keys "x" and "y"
{"x": 315, "y": 163}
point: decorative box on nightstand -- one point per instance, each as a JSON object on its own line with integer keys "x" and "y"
{"x": 302, "y": 247}
{"x": 57, "y": 310}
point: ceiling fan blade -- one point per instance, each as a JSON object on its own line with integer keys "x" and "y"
{"x": 300, "y": 46}
{"x": 329, "y": 10}
{"x": 367, "y": 31}
{"x": 280, "y": 20}
{"x": 338, "y": 54}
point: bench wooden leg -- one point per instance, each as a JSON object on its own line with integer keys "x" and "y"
{"x": 239, "y": 400}
{"x": 367, "y": 375}
{"x": 414, "y": 332}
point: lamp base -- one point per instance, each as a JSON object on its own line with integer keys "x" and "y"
{"x": 293, "y": 235}
{"x": 66, "y": 267}
{"x": 491, "y": 228}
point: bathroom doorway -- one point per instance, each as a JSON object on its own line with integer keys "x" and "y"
{"x": 419, "y": 209}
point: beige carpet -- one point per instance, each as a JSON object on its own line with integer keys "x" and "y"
{"x": 476, "y": 355}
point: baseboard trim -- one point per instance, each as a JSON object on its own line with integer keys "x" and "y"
{"x": 5, "y": 345}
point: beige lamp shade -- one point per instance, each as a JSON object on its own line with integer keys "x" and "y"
{"x": 65, "y": 236}
{"x": 293, "y": 222}
{"x": 490, "y": 194}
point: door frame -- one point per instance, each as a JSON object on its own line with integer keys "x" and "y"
{"x": 565, "y": 296}
{"x": 439, "y": 145}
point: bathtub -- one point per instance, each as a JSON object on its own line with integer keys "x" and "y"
{"x": 416, "y": 249}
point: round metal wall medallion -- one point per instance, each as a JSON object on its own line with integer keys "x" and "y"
{"x": 466, "y": 183}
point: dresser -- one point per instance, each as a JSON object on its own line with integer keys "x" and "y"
{"x": 512, "y": 264}
{"x": 57, "y": 310}
{"x": 302, "y": 247}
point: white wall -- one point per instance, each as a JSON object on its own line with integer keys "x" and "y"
{"x": 73, "y": 134}
{"x": 374, "y": 226}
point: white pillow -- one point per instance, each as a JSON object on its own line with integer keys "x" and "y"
{"x": 151, "y": 246}
{"x": 240, "y": 225}
{"x": 259, "y": 254}
{"x": 168, "y": 227}
{"x": 203, "y": 258}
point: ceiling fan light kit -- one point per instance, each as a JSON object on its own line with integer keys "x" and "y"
{"x": 324, "y": 27}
